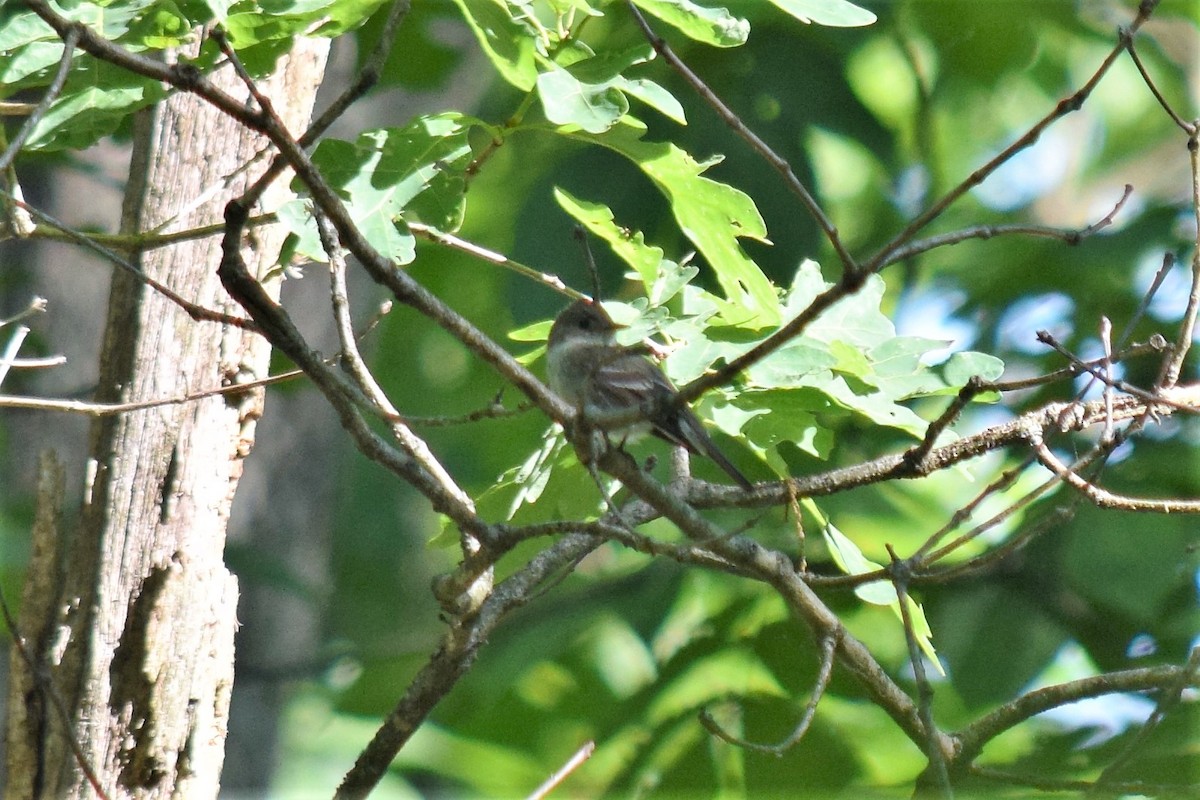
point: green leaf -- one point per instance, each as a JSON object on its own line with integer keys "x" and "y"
{"x": 548, "y": 485}
{"x": 25, "y": 62}
{"x": 510, "y": 44}
{"x": 296, "y": 215}
{"x": 531, "y": 477}
{"x": 163, "y": 25}
{"x": 375, "y": 209}
{"x": 961, "y": 367}
{"x": 855, "y": 320}
{"x": 21, "y": 27}
{"x": 589, "y": 90}
{"x": 713, "y": 26}
{"x": 283, "y": 20}
{"x": 807, "y": 364}
{"x": 661, "y": 278}
{"x": 882, "y": 593}
{"x": 789, "y": 365}
{"x": 567, "y": 101}
{"x": 341, "y": 16}
{"x": 388, "y": 174}
{"x": 852, "y": 354}
{"x": 620, "y": 656}
{"x": 656, "y": 97}
{"x": 875, "y": 406}
{"x": 712, "y": 215}
{"x": 535, "y": 332}
{"x": 110, "y": 20}
{"x": 783, "y": 416}
{"x": 220, "y": 8}
{"x": 85, "y": 114}
{"x": 897, "y": 369}
{"x": 250, "y": 28}
{"x": 835, "y": 13}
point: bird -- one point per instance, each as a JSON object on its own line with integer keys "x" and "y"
{"x": 588, "y": 368}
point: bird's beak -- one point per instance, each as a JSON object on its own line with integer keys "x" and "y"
{"x": 616, "y": 325}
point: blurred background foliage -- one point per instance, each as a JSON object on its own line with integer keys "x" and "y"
{"x": 880, "y": 120}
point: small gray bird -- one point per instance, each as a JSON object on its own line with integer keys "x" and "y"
{"x": 588, "y": 368}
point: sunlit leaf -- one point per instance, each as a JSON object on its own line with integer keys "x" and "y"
{"x": 84, "y": 115}
{"x": 593, "y": 107}
{"x": 631, "y": 246}
{"x": 850, "y": 559}
{"x": 510, "y": 44}
{"x": 714, "y": 26}
{"x": 392, "y": 174}
{"x": 836, "y": 13}
{"x": 713, "y": 215}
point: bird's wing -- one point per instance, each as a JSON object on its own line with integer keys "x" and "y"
{"x": 628, "y": 380}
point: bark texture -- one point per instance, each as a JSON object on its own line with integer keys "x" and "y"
{"x": 139, "y": 642}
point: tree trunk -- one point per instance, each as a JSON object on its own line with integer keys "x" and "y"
{"x": 140, "y": 645}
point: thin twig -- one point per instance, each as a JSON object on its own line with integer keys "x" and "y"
{"x": 900, "y": 574}
{"x": 996, "y": 519}
{"x": 965, "y": 395}
{"x": 1005, "y": 481}
{"x": 478, "y": 251}
{"x": 1119, "y": 788}
{"x": 1104, "y": 498}
{"x": 562, "y": 773}
{"x": 1053, "y": 521}
{"x": 217, "y": 34}
{"x": 1183, "y": 342}
{"x": 1107, "y": 369}
{"x": 37, "y": 362}
{"x": 96, "y": 410}
{"x": 1156, "y": 344}
{"x": 36, "y": 306}
{"x": 824, "y": 674}
{"x": 196, "y": 312}
{"x": 1147, "y": 297}
{"x": 413, "y": 446}
{"x": 1071, "y": 237}
{"x": 1168, "y": 699}
{"x": 975, "y": 736}
{"x": 1097, "y": 372}
{"x": 146, "y": 239}
{"x": 1064, "y": 107}
{"x": 1187, "y": 127}
{"x": 494, "y": 410}
{"x": 368, "y": 73}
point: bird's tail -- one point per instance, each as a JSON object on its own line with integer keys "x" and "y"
{"x": 696, "y": 439}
